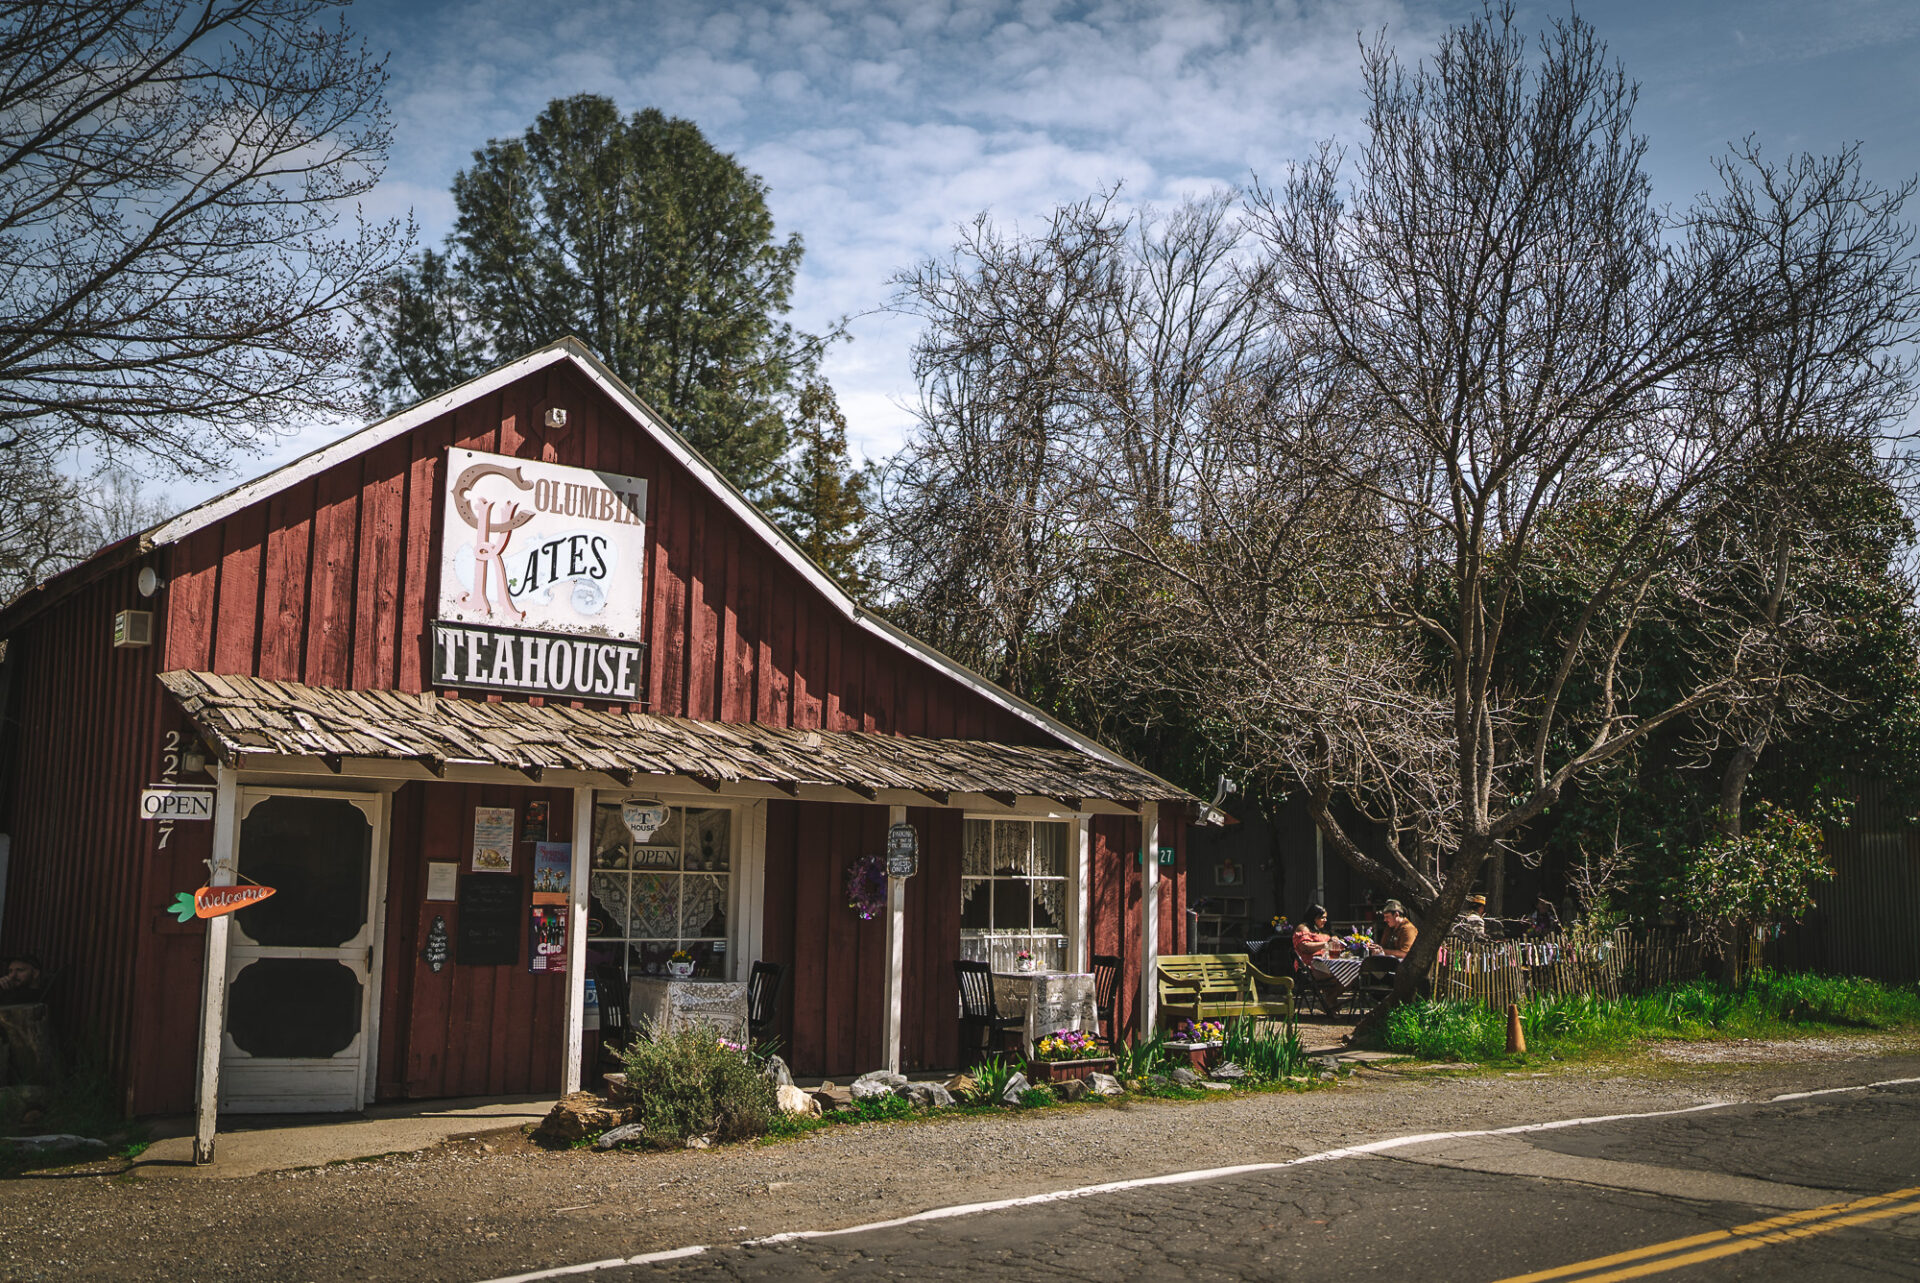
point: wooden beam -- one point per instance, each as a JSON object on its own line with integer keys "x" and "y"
{"x": 707, "y": 782}
{"x": 1071, "y": 803}
{"x": 576, "y": 978}
{"x": 333, "y": 762}
{"x": 939, "y": 797}
{"x": 861, "y": 790}
{"x": 790, "y": 787}
{"x": 1004, "y": 797}
{"x": 213, "y": 979}
{"x": 621, "y": 775}
{"x": 534, "y": 773}
{"x": 436, "y": 766}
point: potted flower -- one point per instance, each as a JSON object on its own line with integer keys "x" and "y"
{"x": 1196, "y": 1044}
{"x": 1067, "y": 1053}
{"x": 1023, "y": 960}
{"x": 680, "y": 965}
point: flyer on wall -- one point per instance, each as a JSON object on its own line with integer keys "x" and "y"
{"x": 547, "y": 939}
{"x": 493, "y": 839}
{"x": 552, "y": 871}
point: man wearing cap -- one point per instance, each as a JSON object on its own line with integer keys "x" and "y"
{"x": 1473, "y": 923}
{"x": 1397, "y": 935}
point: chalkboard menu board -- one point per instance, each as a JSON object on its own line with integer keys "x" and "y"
{"x": 491, "y": 908}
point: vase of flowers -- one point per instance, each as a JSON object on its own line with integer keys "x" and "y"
{"x": 1023, "y": 960}
{"x": 680, "y": 965}
{"x": 1067, "y": 1053}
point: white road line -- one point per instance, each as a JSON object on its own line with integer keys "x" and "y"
{"x": 1184, "y": 1178}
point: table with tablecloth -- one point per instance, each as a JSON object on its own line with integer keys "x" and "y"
{"x": 669, "y": 1005}
{"x": 1047, "y": 1000}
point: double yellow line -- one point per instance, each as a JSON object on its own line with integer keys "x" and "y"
{"x": 1680, "y": 1252}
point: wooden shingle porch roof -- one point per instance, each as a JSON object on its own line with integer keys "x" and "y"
{"x": 253, "y": 721}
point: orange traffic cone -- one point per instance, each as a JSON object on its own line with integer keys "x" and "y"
{"x": 1516, "y": 1039}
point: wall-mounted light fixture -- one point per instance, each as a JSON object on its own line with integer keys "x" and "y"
{"x": 556, "y": 417}
{"x": 193, "y": 757}
{"x": 150, "y": 581}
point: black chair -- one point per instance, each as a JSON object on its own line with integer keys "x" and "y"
{"x": 610, "y": 985}
{"x": 1106, "y": 987}
{"x": 982, "y": 1027}
{"x": 763, "y": 998}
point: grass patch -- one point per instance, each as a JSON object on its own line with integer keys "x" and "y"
{"x": 1767, "y": 1004}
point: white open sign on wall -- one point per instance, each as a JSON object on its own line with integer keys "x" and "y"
{"x": 169, "y": 802}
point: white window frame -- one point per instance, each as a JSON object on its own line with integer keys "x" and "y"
{"x": 1075, "y": 931}
{"x": 746, "y": 869}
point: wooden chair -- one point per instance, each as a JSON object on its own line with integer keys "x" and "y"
{"x": 982, "y": 1026}
{"x": 610, "y": 985}
{"x": 763, "y": 998}
{"x": 1106, "y": 987}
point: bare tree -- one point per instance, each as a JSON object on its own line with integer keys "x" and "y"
{"x": 178, "y": 240}
{"x": 1495, "y": 350}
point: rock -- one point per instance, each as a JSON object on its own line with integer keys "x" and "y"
{"x": 963, "y": 1084}
{"x": 1073, "y": 1089}
{"x": 578, "y": 1115}
{"x": 795, "y": 1101}
{"x": 777, "y": 1072}
{"x": 1105, "y": 1085}
{"x": 1015, "y": 1085}
{"x": 617, "y": 1086}
{"x": 1228, "y": 1072}
{"x": 699, "y": 1142}
{"x": 1214, "y": 1086}
{"x": 59, "y": 1140}
{"x": 926, "y": 1095}
{"x": 876, "y": 1084}
{"x": 1158, "y": 1080}
{"x": 1184, "y": 1077}
{"x": 625, "y": 1134}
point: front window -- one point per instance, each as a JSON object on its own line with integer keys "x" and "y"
{"x": 648, "y": 899}
{"x": 1013, "y": 892}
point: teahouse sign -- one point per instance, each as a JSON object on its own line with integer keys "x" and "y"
{"x": 542, "y": 579}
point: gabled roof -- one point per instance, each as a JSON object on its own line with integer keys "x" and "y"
{"x": 573, "y": 352}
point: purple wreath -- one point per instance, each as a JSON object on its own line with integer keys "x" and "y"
{"x": 867, "y": 887}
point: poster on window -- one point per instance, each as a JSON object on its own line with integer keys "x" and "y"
{"x": 547, "y": 939}
{"x": 492, "y": 839}
{"x": 552, "y": 870}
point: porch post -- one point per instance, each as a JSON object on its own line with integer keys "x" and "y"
{"x": 577, "y": 939}
{"x": 896, "y": 953}
{"x": 213, "y": 982}
{"x": 1149, "y": 915}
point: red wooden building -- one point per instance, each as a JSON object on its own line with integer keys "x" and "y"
{"x": 400, "y": 679}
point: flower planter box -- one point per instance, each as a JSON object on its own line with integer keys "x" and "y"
{"x": 1059, "y": 1071}
{"x": 1197, "y": 1056}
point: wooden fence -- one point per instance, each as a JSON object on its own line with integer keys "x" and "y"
{"x": 1497, "y": 972}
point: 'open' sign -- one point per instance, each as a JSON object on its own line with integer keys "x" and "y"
{"x": 165, "y": 802}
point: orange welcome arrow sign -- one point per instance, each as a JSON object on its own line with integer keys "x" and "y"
{"x": 211, "y": 902}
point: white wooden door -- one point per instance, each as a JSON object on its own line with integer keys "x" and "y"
{"x": 302, "y": 965}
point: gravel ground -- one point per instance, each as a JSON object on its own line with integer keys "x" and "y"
{"x": 497, "y": 1205}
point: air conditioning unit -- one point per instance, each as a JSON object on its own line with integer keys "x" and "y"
{"x": 133, "y": 628}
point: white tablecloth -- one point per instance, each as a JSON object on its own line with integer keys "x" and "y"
{"x": 1047, "y": 1000}
{"x": 660, "y": 1002}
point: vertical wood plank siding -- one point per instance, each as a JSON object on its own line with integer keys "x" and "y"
{"x": 87, "y": 721}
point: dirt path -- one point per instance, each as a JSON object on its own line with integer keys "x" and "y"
{"x": 477, "y": 1208}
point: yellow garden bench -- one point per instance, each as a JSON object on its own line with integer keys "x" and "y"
{"x": 1220, "y": 986}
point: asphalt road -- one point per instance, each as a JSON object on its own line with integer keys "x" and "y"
{"x": 1825, "y": 1187}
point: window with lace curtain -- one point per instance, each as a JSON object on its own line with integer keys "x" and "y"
{"x": 1013, "y": 892}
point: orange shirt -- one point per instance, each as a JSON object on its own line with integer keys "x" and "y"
{"x": 1397, "y": 939}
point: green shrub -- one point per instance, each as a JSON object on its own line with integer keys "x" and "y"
{"x": 1140, "y": 1058}
{"x": 688, "y": 1083}
{"x": 992, "y": 1074}
{"x": 1265, "y": 1053}
{"x": 1040, "y": 1095}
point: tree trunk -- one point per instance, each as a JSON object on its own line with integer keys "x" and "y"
{"x": 1733, "y": 784}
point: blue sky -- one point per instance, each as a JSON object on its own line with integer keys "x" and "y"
{"x": 881, "y": 126}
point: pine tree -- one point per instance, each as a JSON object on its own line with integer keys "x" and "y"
{"x": 821, "y": 498}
